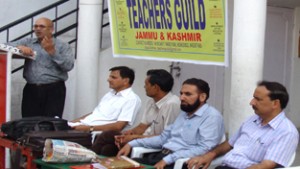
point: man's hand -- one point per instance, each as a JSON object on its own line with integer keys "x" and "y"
{"x": 120, "y": 140}
{"x": 48, "y": 45}
{"x": 26, "y": 50}
{"x": 128, "y": 132}
{"x": 199, "y": 161}
{"x": 124, "y": 151}
{"x": 160, "y": 165}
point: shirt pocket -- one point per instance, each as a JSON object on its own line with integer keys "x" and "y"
{"x": 257, "y": 148}
{"x": 190, "y": 134}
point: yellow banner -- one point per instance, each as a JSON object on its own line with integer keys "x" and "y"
{"x": 190, "y": 31}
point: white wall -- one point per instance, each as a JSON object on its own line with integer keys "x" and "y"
{"x": 295, "y": 74}
{"x": 12, "y": 10}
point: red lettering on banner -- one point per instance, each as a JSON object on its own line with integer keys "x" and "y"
{"x": 185, "y": 36}
{"x": 146, "y": 35}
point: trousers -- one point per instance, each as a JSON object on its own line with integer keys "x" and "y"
{"x": 104, "y": 143}
{"x": 44, "y": 99}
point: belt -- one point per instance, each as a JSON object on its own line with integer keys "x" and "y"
{"x": 166, "y": 151}
{"x": 46, "y": 84}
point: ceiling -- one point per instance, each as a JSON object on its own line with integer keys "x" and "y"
{"x": 284, "y": 3}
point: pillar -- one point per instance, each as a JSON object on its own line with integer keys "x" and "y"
{"x": 247, "y": 58}
{"x": 88, "y": 52}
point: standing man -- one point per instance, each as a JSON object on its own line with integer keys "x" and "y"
{"x": 45, "y": 91}
{"x": 197, "y": 129}
{"x": 160, "y": 111}
{"x": 117, "y": 108}
{"x": 266, "y": 140}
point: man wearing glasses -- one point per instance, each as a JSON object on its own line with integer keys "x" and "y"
{"x": 45, "y": 91}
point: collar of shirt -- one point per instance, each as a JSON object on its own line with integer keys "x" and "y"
{"x": 123, "y": 93}
{"x": 274, "y": 122}
{"x": 199, "y": 112}
{"x": 35, "y": 40}
{"x": 163, "y": 100}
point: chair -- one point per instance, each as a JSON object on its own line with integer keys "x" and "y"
{"x": 138, "y": 152}
{"x": 179, "y": 163}
{"x": 218, "y": 161}
{"x": 291, "y": 162}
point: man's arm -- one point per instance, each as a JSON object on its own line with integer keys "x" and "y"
{"x": 78, "y": 119}
{"x": 206, "y": 159}
{"x": 117, "y": 126}
{"x": 138, "y": 130}
{"x": 129, "y": 135}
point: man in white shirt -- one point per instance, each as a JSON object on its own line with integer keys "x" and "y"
{"x": 160, "y": 111}
{"x": 117, "y": 109}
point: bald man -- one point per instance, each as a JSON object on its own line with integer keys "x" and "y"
{"x": 45, "y": 90}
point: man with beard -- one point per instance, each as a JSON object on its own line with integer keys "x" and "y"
{"x": 266, "y": 140}
{"x": 197, "y": 129}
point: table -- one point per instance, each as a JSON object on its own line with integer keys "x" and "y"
{"x": 13, "y": 145}
{"x": 45, "y": 165}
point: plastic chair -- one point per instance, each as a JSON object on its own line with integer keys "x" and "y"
{"x": 138, "y": 152}
{"x": 291, "y": 162}
{"x": 218, "y": 161}
{"x": 179, "y": 163}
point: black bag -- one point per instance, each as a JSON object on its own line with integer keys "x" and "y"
{"x": 36, "y": 140}
{"x": 17, "y": 128}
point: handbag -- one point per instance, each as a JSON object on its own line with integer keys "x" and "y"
{"x": 17, "y": 128}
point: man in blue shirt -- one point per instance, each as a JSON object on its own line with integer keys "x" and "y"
{"x": 266, "y": 140}
{"x": 197, "y": 129}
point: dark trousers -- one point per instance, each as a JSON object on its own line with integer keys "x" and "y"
{"x": 104, "y": 143}
{"x": 44, "y": 100}
{"x": 152, "y": 159}
{"x": 224, "y": 167}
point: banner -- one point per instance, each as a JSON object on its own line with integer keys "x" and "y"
{"x": 191, "y": 31}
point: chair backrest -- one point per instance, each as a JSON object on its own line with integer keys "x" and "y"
{"x": 291, "y": 162}
{"x": 223, "y": 138}
{"x": 292, "y": 159}
{"x": 179, "y": 163}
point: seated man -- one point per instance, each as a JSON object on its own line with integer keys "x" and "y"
{"x": 266, "y": 140}
{"x": 117, "y": 109}
{"x": 160, "y": 111}
{"x": 197, "y": 129}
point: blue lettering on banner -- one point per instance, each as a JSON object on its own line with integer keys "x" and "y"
{"x": 157, "y": 14}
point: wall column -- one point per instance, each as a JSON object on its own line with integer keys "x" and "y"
{"x": 88, "y": 52}
{"x": 247, "y": 58}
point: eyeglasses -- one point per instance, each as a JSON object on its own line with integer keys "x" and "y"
{"x": 39, "y": 26}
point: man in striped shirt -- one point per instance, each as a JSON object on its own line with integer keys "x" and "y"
{"x": 266, "y": 140}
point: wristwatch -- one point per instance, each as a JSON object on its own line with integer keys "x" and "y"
{"x": 91, "y": 129}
